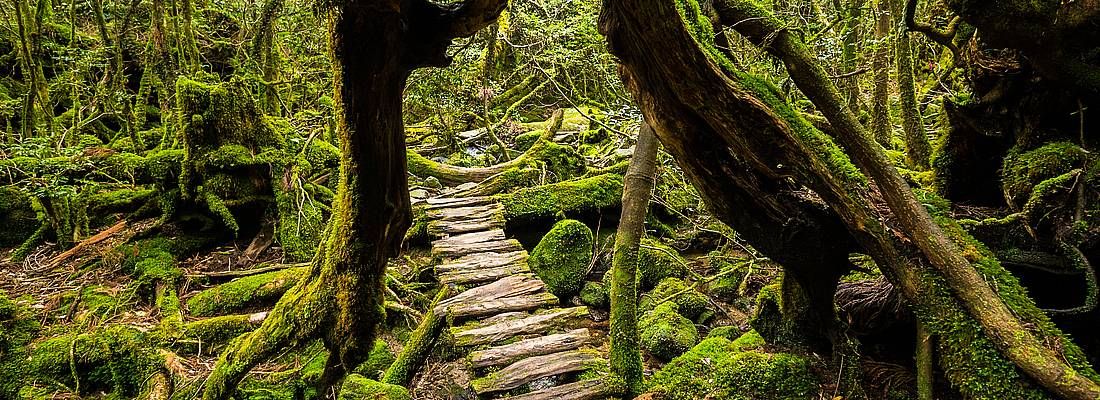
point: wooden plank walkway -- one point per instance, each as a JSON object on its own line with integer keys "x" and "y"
{"x": 516, "y": 330}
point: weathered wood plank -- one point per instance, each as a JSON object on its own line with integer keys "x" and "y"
{"x": 526, "y": 370}
{"x": 440, "y": 228}
{"x": 507, "y": 304}
{"x": 591, "y": 389}
{"x": 491, "y": 210}
{"x": 451, "y": 202}
{"x": 538, "y": 323}
{"x": 482, "y": 275}
{"x": 448, "y": 250}
{"x": 480, "y": 261}
{"x": 537, "y": 346}
{"x": 515, "y": 285}
{"x": 491, "y": 235}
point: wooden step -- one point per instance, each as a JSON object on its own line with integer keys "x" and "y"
{"x": 459, "y": 250}
{"x": 537, "y": 346}
{"x": 481, "y": 261}
{"x": 452, "y": 202}
{"x": 528, "y": 369}
{"x": 538, "y": 323}
{"x": 491, "y": 210}
{"x": 591, "y": 389}
{"x": 440, "y": 228}
{"x": 491, "y": 235}
{"x": 508, "y": 304}
{"x": 512, "y": 286}
{"x": 483, "y": 275}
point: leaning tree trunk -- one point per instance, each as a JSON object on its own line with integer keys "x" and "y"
{"x": 626, "y": 359}
{"x": 710, "y": 110}
{"x": 375, "y": 47}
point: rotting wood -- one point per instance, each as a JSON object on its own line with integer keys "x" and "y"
{"x": 584, "y": 390}
{"x": 493, "y": 235}
{"x": 449, "y": 250}
{"x": 516, "y": 285}
{"x": 467, "y": 213}
{"x": 529, "y": 369}
{"x": 483, "y": 275}
{"x": 538, "y": 323}
{"x": 440, "y": 228}
{"x": 507, "y": 304}
{"x": 537, "y": 346}
{"x": 440, "y": 203}
{"x": 476, "y": 262}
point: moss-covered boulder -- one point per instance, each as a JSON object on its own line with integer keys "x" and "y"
{"x": 117, "y": 359}
{"x": 657, "y": 261}
{"x": 665, "y": 333}
{"x": 689, "y": 302}
{"x": 380, "y": 358}
{"x": 17, "y": 216}
{"x": 1024, "y": 170}
{"x": 18, "y": 327}
{"x": 723, "y": 369}
{"x": 357, "y": 387}
{"x": 730, "y": 274}
{"x": 562, "y": 256}
{"x": 595, "y": 294}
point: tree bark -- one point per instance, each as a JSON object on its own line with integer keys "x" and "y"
{"x": 625, "y": 357}
{"x": 917, "y": 150}
{"x": 375, "y": 46}
{"x": 880, "y": 103}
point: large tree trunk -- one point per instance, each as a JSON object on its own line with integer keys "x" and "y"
{"x": 720, "y": 119}
{"x": 375, "y": 45}
{"x": 626, "y": 358}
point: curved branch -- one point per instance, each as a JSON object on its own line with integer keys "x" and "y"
{"x": 1083, "y": 266}
{"x": 944, "y": 37}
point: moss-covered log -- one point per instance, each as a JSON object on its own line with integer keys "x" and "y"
{"x": 573, "y": 198}
{"x": 252, "y": 291}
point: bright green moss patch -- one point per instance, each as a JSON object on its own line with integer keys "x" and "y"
{"x": 356, "y": 387}
{"x": 243, "y": 293}
{"x": 215, "y": 332}
{"x": 730, "y": 275}
{"x": 721, "y": 369}
{"x": 115, "y": 359}
{"x": 572, "y": 198}
{"x": 595, "y": 294}
{"x": 380, "y": 359}
{"x": 689, "y": 302}
{"x": 1024, "y": 171}
{"x": 665, "y": 333}
{"x": 18, "y": 326}
{"x": 656, "y": 262}
{"x": 562, "y": 256}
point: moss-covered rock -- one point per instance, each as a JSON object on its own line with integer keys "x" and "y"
{"x": 116, "y": 359}
{"x": 18, "y": 217}
{"x": 689, "y": 302}
{"x": 1023, "y": 171}
{"x": 380, "y": 358}
{"x": 562, "y": 256}
{"x": 356, "y": 387}
{"x": 730, "y": 275}
{"x": 723, "y": 369}
{"x": 572, "y": 198}
{"x": 245, "y": 292}
{"x": 595, "y": 294}
{"x": 18, "y": 326}
{"x": 656, "y": 262}
{"x": 665, "y": 333}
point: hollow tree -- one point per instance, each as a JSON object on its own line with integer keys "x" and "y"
{"x": 723, "y": 125}
{"x": 375, "y": 46}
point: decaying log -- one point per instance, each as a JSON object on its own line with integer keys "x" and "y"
{"x": 591, "y": 389}
{"x": 538, "y": 323}
{"x": 537, "y": 346}
{"x": 529, "y": 369}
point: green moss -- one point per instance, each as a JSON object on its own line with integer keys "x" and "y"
{"x": 689, "y": 302}
{"x": 525, "y": 140}
{"x": 719, "y": 368}
{"x": 112, "y": 359}
{"x": 575, "y": 197}
{"x": 562, "y": 256}
{"x": 18, "y": 217}
{"x": 380, "y": 359}
{"x": 356, "y": 387}
{"x": 213, "y": 333}
{"x": 595, "y": 294}
{"x": 1023, "y": 171}
{"x": 656, "y": 262}
{"x": 243, "y": 293}
{"x": 731, "y": 274}
{"x": 18, "y": 326}
{"x": 665, "y": 334}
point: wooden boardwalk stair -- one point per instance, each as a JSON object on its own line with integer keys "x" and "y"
{"x": 516, "y": 330}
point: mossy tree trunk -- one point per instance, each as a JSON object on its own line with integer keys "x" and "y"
{"x": 375, "y": 46}
{"x": 880, "y": 103}
{"x": 625, "y": 357}
{"x": 710, "y": 110}
{"x": 917, "y": 150}
{"x": 263, "y": 50}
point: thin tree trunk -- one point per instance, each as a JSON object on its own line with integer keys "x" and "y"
{"x": 880, "y": 103}
{"x": 917, "y": 150}
{"x": 263, "y": 49}
{"x": 189, "y": 47}
{"x": 924, "y": 362}
{"x": 626, "y": 358}
{"x": 849, "y": 56}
